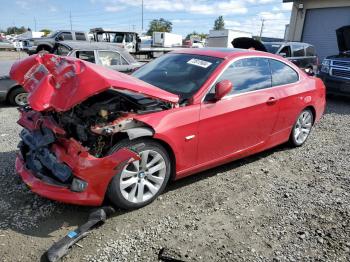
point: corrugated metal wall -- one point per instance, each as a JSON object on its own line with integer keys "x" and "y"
{"x": 319, "y": 28}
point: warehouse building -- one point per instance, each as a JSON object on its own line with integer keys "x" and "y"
{"x": 315, "y": 22}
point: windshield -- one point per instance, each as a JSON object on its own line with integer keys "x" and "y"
{"x": 272, "y": 48}
{"x": 180, "y": 74}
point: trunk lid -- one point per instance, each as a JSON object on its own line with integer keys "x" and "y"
{"x": 60, "y": 83}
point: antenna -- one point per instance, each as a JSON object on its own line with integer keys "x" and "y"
{"x": 142, "y": 16}
{"x": 70, "y": 20}
{"x": 262, "y": 27}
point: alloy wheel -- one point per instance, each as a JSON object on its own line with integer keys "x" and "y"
{"x": 21, "y": 99}
{"x": 303, "y": 127}
{"x": 142, "y": 179}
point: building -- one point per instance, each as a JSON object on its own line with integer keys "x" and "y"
{"x": 315, "y": 22}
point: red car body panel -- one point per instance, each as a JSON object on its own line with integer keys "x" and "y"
{"x": 84, "y": 166}
{"x": 200, "y": 135}
{"x": 48, "y": 78}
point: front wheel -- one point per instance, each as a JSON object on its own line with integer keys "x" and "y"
{"x": 141, "y": 181}
{"x": 18, "y": 97}
{"x": 302, "y": 128}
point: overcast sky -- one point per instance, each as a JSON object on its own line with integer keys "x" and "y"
{"x": 186, "y": 15}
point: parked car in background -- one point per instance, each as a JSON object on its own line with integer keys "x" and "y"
{"x": 301, "y": 54}
{"x": 335, "y": 70}
{"x": 6, "y": 44}
{"x": 35, "y": 45}
{"x": 10, "y": 90}
{"x": 93, "y": 132}
{"x": 104, "y": 54}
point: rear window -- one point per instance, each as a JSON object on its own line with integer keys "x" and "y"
{"x": 282, "y": 74}
{"x": 80, "y": 36}
{"x": 310, "y": 51}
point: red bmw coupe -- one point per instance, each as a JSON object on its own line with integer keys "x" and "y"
{"x": 90, "y": 133}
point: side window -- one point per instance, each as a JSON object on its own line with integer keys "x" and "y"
{"x": 282, "y": 74}
{"x": 298, "y": 50}
{"x": 86, "y": 56}
{"x": 248, "y": 74}
{"x": 61, "y": 50}
{"x": 67, "y": 35}
{"x": 310, "y": 51}
{"x": 286, "y": 51}
{"x": 80, "y": 36}
{"x": 109, "y": 58}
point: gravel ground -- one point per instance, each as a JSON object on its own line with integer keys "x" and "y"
{"x": 281, "y": 205}
{"x": 11, "y": 55}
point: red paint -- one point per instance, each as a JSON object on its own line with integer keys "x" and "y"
{"x": 220, "y": 131}
{"x": 62, "y": 82}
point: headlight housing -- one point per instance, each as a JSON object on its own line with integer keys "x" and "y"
{"x": 326, "y": 65}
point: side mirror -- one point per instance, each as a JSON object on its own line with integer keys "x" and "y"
{"x": 222, "y": 89}
{"x": 309, "y": 71}
{"x": 60, "y": 38}
{"x": 283, "y": 54}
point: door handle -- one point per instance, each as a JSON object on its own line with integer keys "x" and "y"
{"x": 271, "y": 101}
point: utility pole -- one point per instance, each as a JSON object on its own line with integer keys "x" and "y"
{"x": 262, "y": 27}
{"x": 70, "y": 20}
{"x": 142, "y": 17}
{"x": 34, "y": 24}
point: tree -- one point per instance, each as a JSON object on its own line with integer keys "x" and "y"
{"x": 15, "y": 30}
{"x": 159, "y": 25}
{"x": 194, "y": 33}
{"x": 219, "y": 23}
{"x": 45, "y": 31}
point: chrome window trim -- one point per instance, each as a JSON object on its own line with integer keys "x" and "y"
{"x": 244, "y": 57}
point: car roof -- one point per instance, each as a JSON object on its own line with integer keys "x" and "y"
{"x": 91, "y": 45}
{"x": 211, "y": 51}
{"x": 224, "y": 53}
{"x": 285, "y": 42}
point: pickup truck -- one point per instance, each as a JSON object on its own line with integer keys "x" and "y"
{"x": 35, "y": 45}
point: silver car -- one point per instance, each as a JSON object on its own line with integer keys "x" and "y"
{"x": 10, "y": 90}
{"x": 99, "y": 53}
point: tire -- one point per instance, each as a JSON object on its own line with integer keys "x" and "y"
{"x": 17, "y": 97}
{"x": 124, "y": 188}
{"x": 302, "y": 128}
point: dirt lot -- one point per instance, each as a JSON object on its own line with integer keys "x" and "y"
{"x": 281, "y": 205}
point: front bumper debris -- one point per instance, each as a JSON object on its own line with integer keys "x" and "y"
{"x": 52, "y": 165}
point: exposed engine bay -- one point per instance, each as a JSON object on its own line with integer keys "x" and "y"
{"x": 102, "y": 119}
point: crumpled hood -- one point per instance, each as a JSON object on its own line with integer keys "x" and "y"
{"x": 60, "y": 83}
{"x": 343, "y": 37}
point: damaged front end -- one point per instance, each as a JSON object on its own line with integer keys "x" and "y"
{"x": 66, "y": 144}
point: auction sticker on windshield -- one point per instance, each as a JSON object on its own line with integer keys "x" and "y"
{"x": 198, "y": 62}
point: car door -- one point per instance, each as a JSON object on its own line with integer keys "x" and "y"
{"x": 291, "y": 93}
{"x": 245, "y": 118}
{"x": 113, "y": 60}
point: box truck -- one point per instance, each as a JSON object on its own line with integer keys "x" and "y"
{"x": 164, "y": 39}
{"x": 223, "y": 38}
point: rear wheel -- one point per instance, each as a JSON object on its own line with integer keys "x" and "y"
{"x": 18, "y": 97}
{"x": 302, "y": 128}
{"x": 141, "y": 181}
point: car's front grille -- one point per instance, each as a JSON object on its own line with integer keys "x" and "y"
{"x": 340, "y": 73}
{"x": 341, "y": 63}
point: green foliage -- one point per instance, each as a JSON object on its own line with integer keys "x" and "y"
{"x": 45, "y": 31}
{"x": 159, "y": 25}
{"x": 219, "y": 23}
{"x": 15, "y": 30}
{"x": 194, "y": 33}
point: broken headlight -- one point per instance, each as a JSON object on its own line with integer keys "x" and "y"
{"x": 326, "y": 65}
